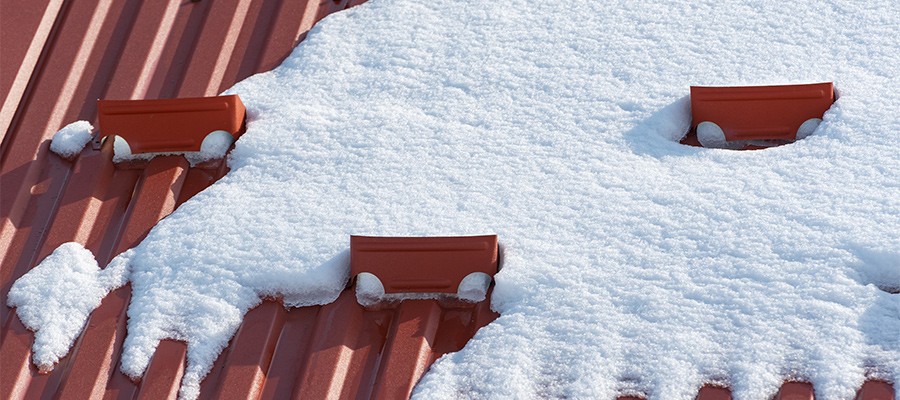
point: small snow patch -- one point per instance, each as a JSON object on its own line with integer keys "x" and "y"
{"x": 474, "y": 287}
{"x": 215, "y": 145}
{"x": 69, "y": 140}
{"x": 370, "y": 291}
{"x": 55, "y": 298}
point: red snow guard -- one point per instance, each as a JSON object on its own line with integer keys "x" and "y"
{"x": 423, "y": 264}
{"x": 752, "y": 117}
{"x": 170, "y": 125}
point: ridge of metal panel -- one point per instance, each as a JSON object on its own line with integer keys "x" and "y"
{"x": 24, "y": 31}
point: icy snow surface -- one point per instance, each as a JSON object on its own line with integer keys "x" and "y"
{"x": 633, "y": 264}
{"x": 69, "y": 140}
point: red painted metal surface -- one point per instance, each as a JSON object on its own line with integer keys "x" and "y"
{"x": 423, "y": 264}
{"x": 58, "y": 57}
{"x": 710, "y": 392}
{"x": 761, "y": 113}
{"x": 876, "y": 390}
{"x": 795, "y": 391}
{"x": 170, "y": 125}
{"x": 871, "y": 390}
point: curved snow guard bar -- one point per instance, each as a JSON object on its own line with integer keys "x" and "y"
{"x": 170, "y": 125}
{"x": 760, "y": 112}
{"x": 423, "y": 264}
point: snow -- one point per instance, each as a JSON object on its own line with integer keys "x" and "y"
{"x": 632, "y": 264}
{"x": 214, "y": 146}
{"x": 808, "y": 127}
{"x": 711, "y": 136}
{"x": 55, "y": 298}
{"x": 69, "y": 140}
{"x": 370, "y": 291}
{"x": 474, "y": 287}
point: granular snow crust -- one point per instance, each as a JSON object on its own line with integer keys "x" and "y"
{"x": 55, "y": 298}
{"x": 632, "y": 264}
{"x": 69, "y": 140}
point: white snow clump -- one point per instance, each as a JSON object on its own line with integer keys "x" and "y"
{"x": 68, "y": 141}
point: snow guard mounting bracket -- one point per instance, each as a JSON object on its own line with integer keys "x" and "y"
{"x": 423, "y": 264}
{"x": 170, "y": 125}
{"x": 752, "y": 117}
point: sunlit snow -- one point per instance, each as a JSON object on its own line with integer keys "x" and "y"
{"x": 56, "y": 297}
{"x": 215, "y": 145}
{"x": 69, "y": 140}
{"x": 632, "y": 264}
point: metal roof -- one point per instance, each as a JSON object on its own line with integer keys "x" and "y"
{"x": 57, "y": 57}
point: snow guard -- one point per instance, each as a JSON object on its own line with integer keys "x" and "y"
{"x": 747, "y": 117}
{"x": 423, "y": 264}
{"x": 170, "y": 125}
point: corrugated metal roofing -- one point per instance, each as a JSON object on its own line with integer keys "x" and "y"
{"x": 56, "y": 58}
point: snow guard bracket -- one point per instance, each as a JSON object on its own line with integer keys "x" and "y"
{"x": 423, "y": 264}
{"x": 743, "y": 117}
{"x": 170, "y": 125}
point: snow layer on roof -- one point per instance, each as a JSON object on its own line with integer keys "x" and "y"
{"x": 633, "y": 264}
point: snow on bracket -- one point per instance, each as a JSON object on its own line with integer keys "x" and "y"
{"x": 170, "y": 125}
{"x": 425, "y": 264}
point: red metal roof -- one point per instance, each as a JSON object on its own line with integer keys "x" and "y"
{"x": 58, "y": 57}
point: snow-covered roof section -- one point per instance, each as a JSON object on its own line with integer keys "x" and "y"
{"x": 632, "y": 264}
